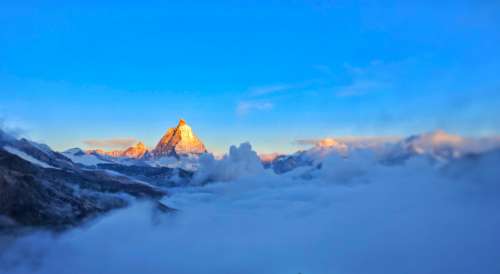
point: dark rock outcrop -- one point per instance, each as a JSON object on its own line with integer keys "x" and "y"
{"x": 61, "y": 196}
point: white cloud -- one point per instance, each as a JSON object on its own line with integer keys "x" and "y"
{"x": 361, "y": 87}
{"x": 12, "y": 128}
{"x": 351, "y": 141}
{"x": 353, "y": 216}
{"x": 245, "y": 107}
{"x": 241, "y": 161}
{"x": 376, "y": 76}
{"x": 264, "y": 90}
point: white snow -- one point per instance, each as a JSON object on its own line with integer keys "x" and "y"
{"x": 87, "y": 159}
{"x": 27, "y": 157}
{"x": 189, "y": 162}
{"x": 43, "y": 147}
{"x": 353, "y": 216}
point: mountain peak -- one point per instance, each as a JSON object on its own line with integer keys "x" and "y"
{"x": 179, "y": 141}
{"x": 328, "y": 143}
{"x": 140, "y": 145}
{"x": 137, "y": 151}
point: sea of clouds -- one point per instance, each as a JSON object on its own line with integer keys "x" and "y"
{"x": 353, "y": 215}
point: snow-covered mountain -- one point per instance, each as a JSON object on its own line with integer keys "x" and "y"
{"x": 437, "y": 146}
{"x": 137, "y": 151}
{"x": 179, "y": 141}
{"x": 322, "y": 149}
{"x": 86, "y": 158}
{"x": 35, "y": 153}
{"x": 41, "y": 187}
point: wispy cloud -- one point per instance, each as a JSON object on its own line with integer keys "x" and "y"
{"x": 265, "y": 90}
{"x": 11, "y": 128}
{"x": 374, "y": 77}
{"x": 361, "y": 87}
{"x": 111, "y": 143}
{"x": 244, "y": 107}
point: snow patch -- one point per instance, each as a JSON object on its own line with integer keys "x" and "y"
{"x": 86, "y": 159}
{"x": 27, "y": 157}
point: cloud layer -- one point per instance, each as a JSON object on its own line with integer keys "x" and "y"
{"x": 353, "y": 215}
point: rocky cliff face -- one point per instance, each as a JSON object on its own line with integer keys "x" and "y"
{"x": 137, "y": 151}
{"x": 40, "y": 187}
{"x": 179, "y": 141}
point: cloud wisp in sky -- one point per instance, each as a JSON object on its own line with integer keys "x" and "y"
{"x": 360, "y": 88}
{"x": 245, "y": 107}
{"x": 374, "y": 77}
{"x": 265, "y": 90}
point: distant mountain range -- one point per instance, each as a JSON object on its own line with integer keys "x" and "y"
{"x": 438, "y": 147}
{"x": 42, "y": 187}
{"x": 137, "y": 151}
{"x": 177, "y": 142}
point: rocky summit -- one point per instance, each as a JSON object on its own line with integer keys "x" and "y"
{"x": 136, "y": 151}
{"x": 179, "y": 141}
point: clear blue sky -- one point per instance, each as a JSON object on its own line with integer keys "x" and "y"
{"x": 268, "y": 72}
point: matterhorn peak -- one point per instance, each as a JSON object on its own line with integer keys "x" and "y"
{"x": 179, "y": 141}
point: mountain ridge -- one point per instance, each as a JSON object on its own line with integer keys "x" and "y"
{"x": 177, "y": 141}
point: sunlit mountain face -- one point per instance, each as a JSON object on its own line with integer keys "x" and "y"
{"x": 310, "y": 137}
{"x": 178, "y": 141}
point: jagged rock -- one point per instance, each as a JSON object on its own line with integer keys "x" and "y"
{"x": 179, "y": 141}
{"x": 137, "y": 151}
{"x": 34, "y": 193}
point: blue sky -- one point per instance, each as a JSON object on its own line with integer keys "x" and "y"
{"x": 268, "y": 72}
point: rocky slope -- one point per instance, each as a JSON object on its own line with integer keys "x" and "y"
{"x": 137, "y": 151}
{"x": 40, "y": 187}
{"x": 179, "y": 141}
{"x": 438, "y": 147}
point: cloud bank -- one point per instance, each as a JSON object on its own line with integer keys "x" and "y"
{"x": 352, "y": 215}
